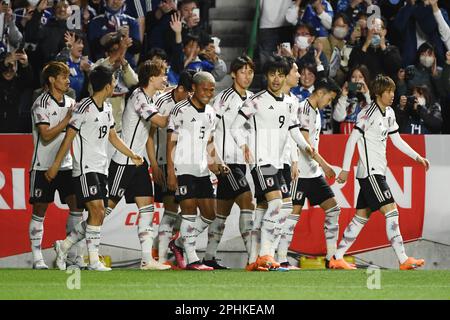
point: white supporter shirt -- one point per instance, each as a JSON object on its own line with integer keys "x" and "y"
{"x": 375, "y": 126}
{"x": 310, "y": 122}
{"x": 270, "y": 119}
{"x": 136, "y": 125}
{"x": 226, "y": 106}
{"x": 91, "y": 143}
{"x": 46, "y": 110}
{"x": 193, "y": 128}
{"x": 165, "y": 103}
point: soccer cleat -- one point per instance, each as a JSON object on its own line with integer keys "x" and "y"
{"x": 288, "y": 266}
{"x": 61, "y": 256}
{"x": 77, "y": 263}
{"x": 267, "y": 262}
{"x": 155, "y": 253}
{"x": 412, "y": 263}
{"x": 39, "y": 265}
{"x": 251, "y": 266}
{"x": 172, "y": 265}
{"x": 178, "y": 252}
{"x": 214, "y": 264}
{"x": 98, "y": 266}
{"x": 280, "y": 269}
{"x": 198, "y": 266}
{"x": 154, "y": 265}
{"x": 327, "y": 264}
{"x": 340, "y": 264}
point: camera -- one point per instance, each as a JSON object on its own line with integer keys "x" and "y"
{"x": 354, "y": 87}
{"x": 409, "y": 73}
{"x": 410, "y": 101}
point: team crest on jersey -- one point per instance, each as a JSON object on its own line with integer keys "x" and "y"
{"x": 387, "y": 194}
{"x": 299, "y": 195}
{"x": 270, "y": 182}
{"x": 182, "y": 190}
{"x": 121, "y": 192}
{"x": 284, "y": 188}
{"x": 38, "y": 193}
{"x": 243, "y": 182}
{"x": 93, "y": 190}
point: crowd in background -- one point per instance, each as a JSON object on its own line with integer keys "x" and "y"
{"x": 406, "y": 40}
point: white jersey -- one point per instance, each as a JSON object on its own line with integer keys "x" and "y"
{"x": 291, "y": 146}
{"x": 91, "y": 143}
{"x": 226, "y": 105}
{"x": 46, "y": 110}
{"x": 165, "y": 103}
{"x": 136, "y": 125}
{"x": 270, "y": 119}
{"x": 310, "y": 122}
{"x": 194, "y": 128}
{"x": 375, "y": 126}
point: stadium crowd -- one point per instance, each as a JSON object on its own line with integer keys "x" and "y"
{"x": 406, "y": 40}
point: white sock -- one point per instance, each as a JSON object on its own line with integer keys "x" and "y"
{"x": 73, "y": 219}
{"x": 36, "y": 233}
{"x": 286, "y": 237}
{"x": 145, "y": 232}
{"x": 245, "y": 227}
{"x": 215, "y": 232}
{"x": 191, "y": 226}
{"x": 286, "y": 209}
{"x": 165, "y": 230}
{"x": 394, "y": 236}
{"x": 350, "y": 235}
{"x": 93, "y": 242}
{"x": 256, "y": 235}
{"x": 268, "y": 226}
{"x": 108, "y": 211}
{"x": 331, "y": 229}
{"x": 78, "y": 234}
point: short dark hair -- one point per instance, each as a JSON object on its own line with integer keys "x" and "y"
{"x": 53, "y": 69}
{"x": 99, "y": 77}
{"x": 240, "y": 62}
{"x": 186, "y": 80}
{"x": 274, "y": 64}
{"x": 150, "y": 68}
{"x": 327, "y": 84}
{"x": 184, "y": 2}
{"x": 290, "y": 62}
{"x": 309, "y": 26}
{"x": 156, "y": 52}
{"x": 308, "y": 66}
{"x": 190, "y": 37}
{"x": 343, "y": 16}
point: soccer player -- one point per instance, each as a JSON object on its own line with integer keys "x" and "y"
{"x": 373, "y": 126}
{"x": 126, "y": 179}
{"x": 269, "y": 119}
{"x": 233, "y": 187}
{"x": 90, "y": 129}
{"x": 157, "y": 156}
{"x": 190, "y": 141}
{"x": 51, "y": 113}
{"x": 311, "y": 183}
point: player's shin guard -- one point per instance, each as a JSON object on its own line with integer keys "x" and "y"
{"x": 245, "y": 227}
{"x": 394, "y": 236}
{"x": 165, "y": 230}
{"x": 73, "y": 219}
{"x": 191, "y": 226}
{"x": 268, "y": 226}
{"x": 331, "y": 229}
{"x": 36, "y": 232}
{"x": 215, "y": 232}
{"x": 145, "y": 231}
{"x": 93, "y": 242}
{"x": 286, "y": 209}
{"x": 256, "y": 235}
{"x": 350, "y": 234}
{"x": 286, "y": 237}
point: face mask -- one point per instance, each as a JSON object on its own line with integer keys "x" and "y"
{"x": 33, "y": 3}
{"x": 421, "y": 101}
{"x": 426, "y": 61}
{"x": 340, "y": 32}
{"x": 302, "y": 42}
{"x": 376, "y": 40}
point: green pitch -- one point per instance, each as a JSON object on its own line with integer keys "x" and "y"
{"x": 234, "y": 284}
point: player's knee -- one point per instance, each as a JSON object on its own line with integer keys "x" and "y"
{"x": 275, "y": 205}
{"x": 334, "y": 211}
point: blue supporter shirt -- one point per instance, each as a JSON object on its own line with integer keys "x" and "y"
{"x": 310, "y": 16}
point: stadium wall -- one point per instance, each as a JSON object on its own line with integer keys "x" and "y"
{"x": 421, "y": 198}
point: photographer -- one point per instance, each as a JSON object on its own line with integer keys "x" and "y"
{"x": 355, "y": 96}
{"x": 15, "y": 94}
{"x": 10, "y": 36}
{"x": 416, "y": 114}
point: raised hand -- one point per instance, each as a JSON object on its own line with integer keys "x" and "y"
{"x": 175, "y": 22}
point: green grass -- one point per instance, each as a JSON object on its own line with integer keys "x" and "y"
{"x": 235, "y": 284}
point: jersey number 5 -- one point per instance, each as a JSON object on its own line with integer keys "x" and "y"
{"x": 202, "y": 132}
{"x": 102, "y": 132}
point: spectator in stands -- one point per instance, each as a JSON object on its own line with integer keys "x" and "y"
{"x": 138, "y": 10}
{"x": 444, "y": 29}
{"x": 308, "y": 76}
{"x": 319, "y": 13}
{"x": 352, "y": 8}
{"x": 445, "y": 84}
{"x": 82, "y": 14}
{"x": 16, "y": 78}
{"x": 416, "y": 24}
{"x": 105, "y": 25}
{"x": 158, "y": 30}
{"x": 376, "y": 53}
{"x": 209, "y": 54}
{"x": 10, "y": 36}
{"x": 79, "y": 65}
{"x": 116, "y": 51}
{"x": 425, "y": 72}
{"x": 191, "y": 19}
{"x": 417, "y": 114}
{"x": 24, "y": 14}
{"x": 355, "y": 96}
